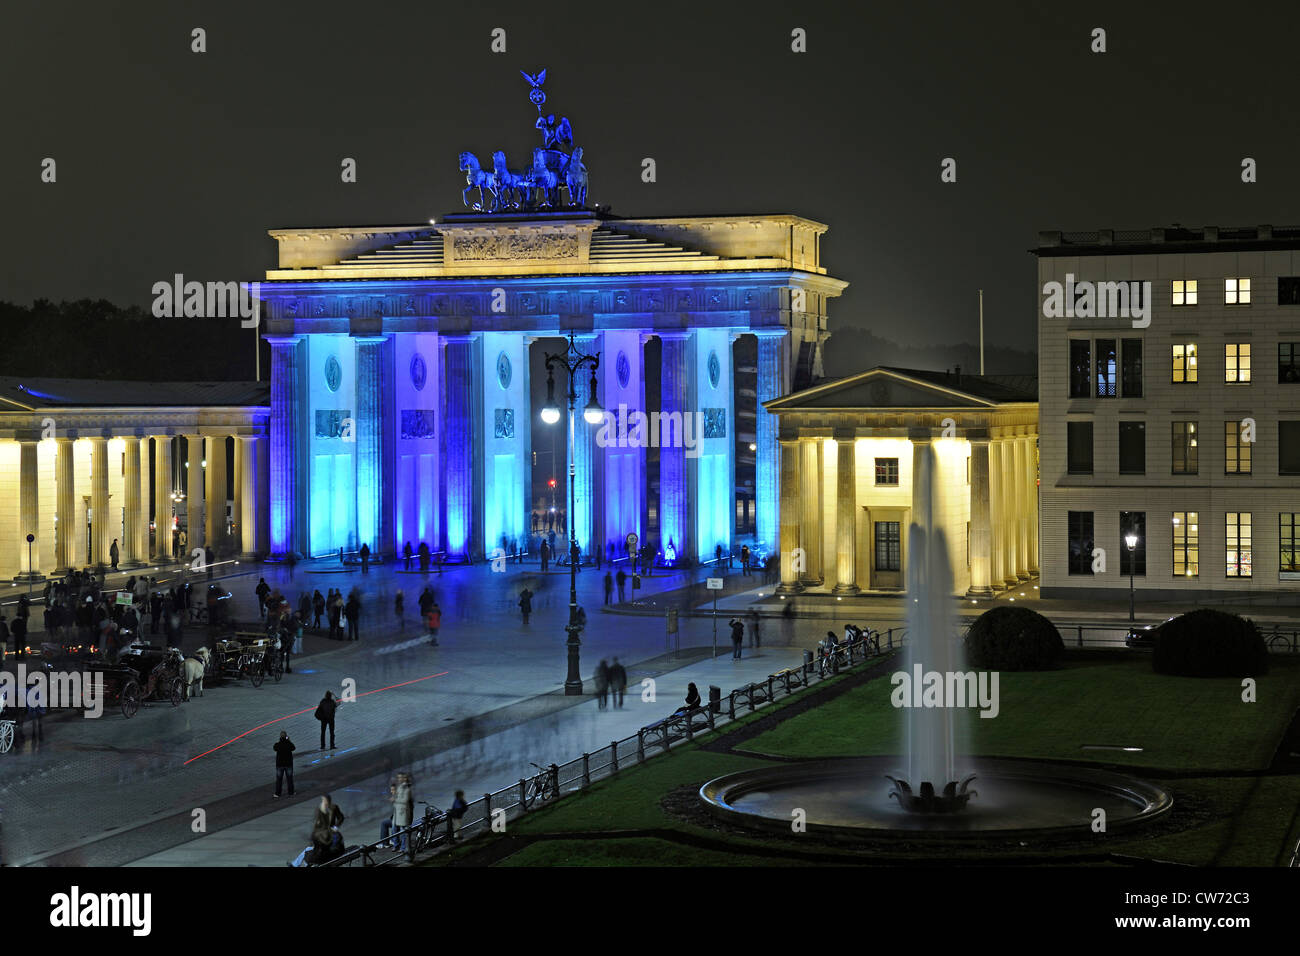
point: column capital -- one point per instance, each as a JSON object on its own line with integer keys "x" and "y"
{"x": 282, "y": 340}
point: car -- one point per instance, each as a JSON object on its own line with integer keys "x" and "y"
{"x": 1143, "y": 637}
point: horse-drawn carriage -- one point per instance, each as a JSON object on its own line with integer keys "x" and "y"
{"x": 245, "y": 654}
{"x": 143, "y": 673}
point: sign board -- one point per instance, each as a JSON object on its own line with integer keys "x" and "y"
{"x": 125, "y": 597}
{"x": 631, "y": 540}
{"x": 713, "y": 584}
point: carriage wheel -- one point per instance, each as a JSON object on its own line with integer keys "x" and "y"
{"x": 277, "y": 667}
{"x": 256, "y": 673}
{"x": 178, "y": 691}
{"x": 6, "y": 736}
{"x": 130, "y": 699}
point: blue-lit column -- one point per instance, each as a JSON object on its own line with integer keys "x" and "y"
{"x": 285, "y": 437}
{"x": 674, "y": 479}
{"x": 588, "y": 465}
{"x": 373, "y": 412}
{"x": 622, "y": 437}
{"x": 460, "y": 369}
{"x": 773, "y": 382}
{"x": 710, "y": 462}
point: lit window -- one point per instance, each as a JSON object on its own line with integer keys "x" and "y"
{"x": 1185, "y": 452}
{"x": 1184, "y": 358}
{"x": 1187, "y": 549}
{"x": 1236, "y": 363}
{"x": 1184, "y": 292}
{"x": 1236, "y": 291}
{"x": 1236, "y": 458}
{"x": 1238, "y": 544}
{"x": 886, "y": 471}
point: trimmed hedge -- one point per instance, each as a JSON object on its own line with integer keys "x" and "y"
{"x": 1209, "y": 643}
{"x": 1010, "y": 638}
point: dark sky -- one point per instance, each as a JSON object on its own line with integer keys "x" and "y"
{"x": 170, "y": 161}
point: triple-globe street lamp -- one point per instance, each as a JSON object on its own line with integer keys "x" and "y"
{"x": 572, "y": 361}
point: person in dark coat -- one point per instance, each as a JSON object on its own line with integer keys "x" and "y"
{"x": 737, "y": 637}
{"x": 602, "y": 684}
{"x": 325, "y": 714}
{"x": 262, "y": 590}
{"x": 609, "y": 587}
{"x": 317, "y": 609}
{"x": 353, "y": 610}
{"x": 336, "y": 615}
{"x": 617, "y": 682}
{"x": 365, "y": 559}
{"x": 284, "y": 749}
{"x": 525, "y": 603}
{"x": 744, "y": 560}
{"x": 546, "y": 555}
{"x": 692, "y": 696}
{"x": 621, "y": 578}
{"x": 155, "y": 612}
{"x": 113, "y": 553}
{"x": 424, "y": 558}
{"x": 406, "y": 556}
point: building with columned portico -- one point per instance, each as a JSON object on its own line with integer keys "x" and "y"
{"x": 849, "y": 451}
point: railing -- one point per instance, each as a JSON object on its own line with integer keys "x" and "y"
{"x": 519, "y": 799}
{"x": 1278, "y": 639}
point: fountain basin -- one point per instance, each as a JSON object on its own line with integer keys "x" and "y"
{"x": 849, "y": 798}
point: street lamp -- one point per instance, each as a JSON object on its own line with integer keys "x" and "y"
{"x": 572, "y": 361}
{"x": 1131, "y": 540}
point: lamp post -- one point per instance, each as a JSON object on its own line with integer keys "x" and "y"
{"x": 1131, "y": 540}
{"x": 572, "y": 361}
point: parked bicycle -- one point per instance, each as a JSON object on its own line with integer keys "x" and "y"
{"x": 542, "y": 786}
{"x": 426, "y": 833}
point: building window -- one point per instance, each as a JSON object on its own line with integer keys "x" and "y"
{"x": 1238, "y": 544}
{"x": 1080, "y": 368}
{"x": 888, "y": 550}
{"x": 1236, "y": 363}
{"x": 1079, "y": 448}
{"x": 1132, "y": 448}
{"x": 1131, "y": 369}
{"x": 1135, "y": 561}
{"x": 1080, "y": 525}
{"x": 1288, "y": 448}
{"x": 1288, "y": 362}
{"x": 1106, "y": 368}
{"x": 886, "y": 471}
{"x": 1185, "y": 363}
{"x": 1289, "y": 542}
{"x": 1236, "y": 291}
{"x": 1184, "y": 292}
{"x": 1236, "y": 450}
{"x": 1185, "y": 450}
{"x": 1288, "y": 290}
{"x": 1187, "y": 549}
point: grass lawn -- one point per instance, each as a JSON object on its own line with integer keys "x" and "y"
{"x": 1184, "y": 724}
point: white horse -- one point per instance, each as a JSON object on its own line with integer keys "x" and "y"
{"x": 193, "y": 669}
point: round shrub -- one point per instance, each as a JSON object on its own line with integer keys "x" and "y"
{"x": 1209, "y": 643}
{"x": 1013, "y": 639}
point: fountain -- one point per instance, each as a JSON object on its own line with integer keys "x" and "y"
{"x": 930, "y": 794}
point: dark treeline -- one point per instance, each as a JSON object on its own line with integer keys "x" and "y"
{"x": 851, "y": 350}
{"x": 97, "y": 339}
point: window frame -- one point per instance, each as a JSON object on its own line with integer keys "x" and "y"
{"x": 878, "y": 467}
{"x": 1189, "y": 366}
{"x": 1183, "y": 293}
{"x": 1187, "y": 539}
{"x": 1235, "y": 448}
{"x": 1142, "y": 426}
{"x": 1232, "y": 533}
{"x": 1233, "y": 365}
{"x": 1070, "y": 429}
{"x": 1190, "y": 448}
{"x": 1240, "y": 295}
{"x": 1084, "y": 557}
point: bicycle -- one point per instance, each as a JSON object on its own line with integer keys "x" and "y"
{"x": 425, "y": 833}
{"x": 543, "y": 786}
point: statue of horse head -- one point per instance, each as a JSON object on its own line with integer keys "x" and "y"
{"x": 469, "y": 162}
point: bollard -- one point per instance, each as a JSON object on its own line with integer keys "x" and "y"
{"x": 1080, "y": 635}
{"x": 640, "y": 745}
{"x": 710, "y": 714}
{"x": 613, "y": 756}
{"x": 731, "y": 705}
{"x": 523, "y": 792}
{"x": 487, "y": 809}
{"x": 807, "y": 665}
{"x": 890, "y": 638}
{"x": 586, "y": 770}
{"x": 769, "y": 686}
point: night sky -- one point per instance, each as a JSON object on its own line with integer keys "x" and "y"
{"x": 171, "y": 161}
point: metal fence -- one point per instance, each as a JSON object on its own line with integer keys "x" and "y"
{"x": 1277, "y": 638}
{"x": 545, "y": 785}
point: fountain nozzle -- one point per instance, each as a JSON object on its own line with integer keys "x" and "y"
{"x": 953, "y": 798}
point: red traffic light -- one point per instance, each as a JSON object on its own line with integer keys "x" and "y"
{"x": 551, "y": 483}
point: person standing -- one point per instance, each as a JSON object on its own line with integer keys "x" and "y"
{"x": 424, "y": 558}
{"x": 336, "y": 615}
{"x": 290, "y": 635}
{"x": 113, "y": 553}
{"x": 317, "y": 608}
{"x": 457, "y": 812}
{"x": 609, "y": 586}
{"x": 406, "y": 556}
{"x": 737, "y": 637}
{"x": 262, "y": 590}
{"x": 602, "y": 683}
{"x": 325, "y": 714}
{"x": 19, "y": 632}
{"x": 744, "y": 561}
{"x": 365, "y": 558}
{"x": 284, "y": 749}
{"x": 354, "y": 615}
{"x": 546, "y": 555}
{"x": 525, "y": 603}
{"x": 617, "y": 682}
{"x": 621, "y": 578}
{"x": 403, "y": 809}
{"x": 399, "y": 608}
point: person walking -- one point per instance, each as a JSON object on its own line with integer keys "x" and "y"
{"x": 113, "y": 553}
{"x": 399, "y": 609}
{"x": 317, "y": 608}
{"x": 545, "y": 552}
{"x": 525, "y": 603}
{"x": 406, "y": 556}
{"x": 617, "y": 682}
{"x": 457, "y": 812}
{"x": 262, "y": 590}
{"x": 365, "y": 559}
{"x": 609, "y": 587}
{"x": 754, "y": 640}
{"x": 744, "y": 561}
{"x": 353, "y": 610}
{"x": 284, "y": 749}
{"x": 325, "y": 714}
{"x": 737, "y": 637}
{"x": 621, "y": 578}
{"x": 424, "y": 558}
{"x": 602, "y": 683}
{"x": 433, "y": 620}
{"x": 336, "y": 615}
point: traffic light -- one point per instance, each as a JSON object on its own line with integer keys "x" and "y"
{"x": 550, "y": 483}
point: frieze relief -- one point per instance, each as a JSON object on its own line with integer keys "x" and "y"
{"x": 478, "y": 248}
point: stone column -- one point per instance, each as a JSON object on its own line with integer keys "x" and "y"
{"x": 372, "y": 390}
{"x": 997, "y": 518}
{"x": 162, "y": 497}
{"x": 773, "y": 382}
{"x": 142, "y": 522}
{"x": 846, "y": 515}
{"x": 194, "y": 496}
{"x": 286, "y": 428}
{"x": 980, "y": 501}
{"x": 1031, "y": 482}
{"x": 214, "y": 488}
{"x": 810, "y": 499}
{"x": 1010, "y": 536}
{"x": 791, "y": 517}
{"x": 458, "y": 377}
{"x": 131, "y": 556}
{"x": 29, "y": 511}
{"x": 246, "y": 493}
{"x": 65, "y": 506}
{"x": 1022, "y": 511}
{"x": 100, "y": 526}
{"x": 676, "y": 522}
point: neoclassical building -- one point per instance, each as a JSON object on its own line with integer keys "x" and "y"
{"x": 84, "y": 463}
{"x": 850, "y": 451}
{"x": 402, "y": 406}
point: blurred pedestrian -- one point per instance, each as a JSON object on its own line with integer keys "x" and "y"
{"x": 525, "y": 603}
{"x": 399, "y": 609}
{"x": 609, "y": 587}
{"x": 325, "y": 714}
{"x": 617, "y": 682}
{"x": 602, "y": 684}
{"x": 737, "y": 637}
{"x": 621, "y": 578}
